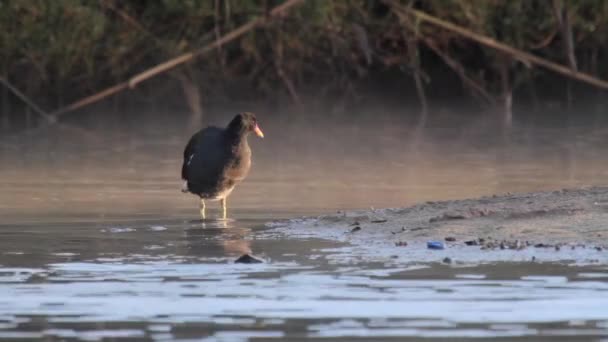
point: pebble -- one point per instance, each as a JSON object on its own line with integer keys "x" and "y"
{"x": 450, "y": 239}
{"x": 400, "y": 243}
{"x": 247, "y": 259}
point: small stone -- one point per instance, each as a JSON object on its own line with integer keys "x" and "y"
{"x": 247, "y": 259}
{"x": 450, "y": 239}
{"x": 400, "y": 231}
{"x": 447, "y": 260}
{"x": 598, "y": 248}
{"x": 471, "y": 243}
{"x": 401, "y": 243}
{"x": 356, "y": 229}
{"x": 447, "y": 217}
{"x": 378, "y": 221}
{"x": 557, "y": 248}
{"x": 356, "y": 223}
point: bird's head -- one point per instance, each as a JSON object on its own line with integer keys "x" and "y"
{"x": 245, "y": 123}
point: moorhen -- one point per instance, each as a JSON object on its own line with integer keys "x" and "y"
{"x": 217, "y": 159}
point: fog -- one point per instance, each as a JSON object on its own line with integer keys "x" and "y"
{"x": 117, "y": 163}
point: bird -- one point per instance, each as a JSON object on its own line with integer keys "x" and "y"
{"x": 217, "y": 159}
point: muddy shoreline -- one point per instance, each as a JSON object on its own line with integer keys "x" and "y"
{"x": 563, "y": 225}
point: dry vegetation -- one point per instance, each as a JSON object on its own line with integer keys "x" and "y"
{"x": 59, "y": 51}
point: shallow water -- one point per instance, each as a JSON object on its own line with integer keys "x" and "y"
{"x": 113, "y": 169}
{"x": 175, "y": 279}
{"x": 97, "y": 242}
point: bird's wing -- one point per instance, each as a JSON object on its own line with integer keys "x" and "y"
{"x": 204, "y": 155}
{"x": 188, "y": 154}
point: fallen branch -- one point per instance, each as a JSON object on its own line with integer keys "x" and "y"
{"x": 27, "y": 101}
{"x": 459, "y": 70}
{"x": 524, "y": 57}
{"x": 172, "y": 63}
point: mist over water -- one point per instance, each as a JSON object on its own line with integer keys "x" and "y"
{"x": 117, "y": 164}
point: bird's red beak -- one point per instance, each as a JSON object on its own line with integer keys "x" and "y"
{"x": 258, "y": 131}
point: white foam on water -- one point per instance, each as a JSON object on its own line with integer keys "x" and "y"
{"x": 233, "y": 290}
{"x": 115, "y": 230}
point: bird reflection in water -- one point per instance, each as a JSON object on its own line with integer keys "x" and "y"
{"x": 225, "y": 234}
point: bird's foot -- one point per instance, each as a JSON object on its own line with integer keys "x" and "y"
{"x": 185, "y": 186}
{"x": 224, "y": 211}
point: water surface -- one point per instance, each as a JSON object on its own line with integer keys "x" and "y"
{"x": 176, "y": 279}
{"x": 97, "y": 242}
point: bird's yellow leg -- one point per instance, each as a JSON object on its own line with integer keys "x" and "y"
{"x": 203, "y": 208}
{"x": 223, "y": 208}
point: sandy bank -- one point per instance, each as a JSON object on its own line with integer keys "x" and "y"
{"x": 569, "y": 224}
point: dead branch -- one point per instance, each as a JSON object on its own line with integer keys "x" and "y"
{"x": 193, "y": 97}
{"x": 172, "y": 63}
{"x": 546, "y": 41}
{"x": 459, "y": 70}
{"x": 517, "y": 54}
{"x": 127, "y": 18}
{"x": 414, "y": 62}
{"x": 562, "y": 16}
{"x": 27, "y": 101}
{"x": 564, "y": 22}
{"x": 289, "y": 85}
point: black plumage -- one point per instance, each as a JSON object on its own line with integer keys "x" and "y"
{"x": 217, "y": 159}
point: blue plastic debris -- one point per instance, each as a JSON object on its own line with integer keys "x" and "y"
{"x": 434, "y": 245}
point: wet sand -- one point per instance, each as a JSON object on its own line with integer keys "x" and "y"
{"x": 568, "y": 224}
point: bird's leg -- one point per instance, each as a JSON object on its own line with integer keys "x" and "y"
{"x": 223, "y": 201}
{"x": 202, "y": 208}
